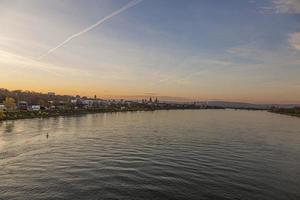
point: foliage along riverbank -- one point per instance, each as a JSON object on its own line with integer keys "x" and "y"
{"x": 26, "y": 114}
{"x": 287, "y": 111}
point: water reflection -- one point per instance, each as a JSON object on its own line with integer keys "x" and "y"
{"x": 152, "y": 155}
{"x": 9, "y": 126}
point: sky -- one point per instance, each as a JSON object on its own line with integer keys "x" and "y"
{"x": 231, "y": 50}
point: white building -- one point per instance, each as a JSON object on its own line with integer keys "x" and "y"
{"x": 35, "y": 107}
{"x": 73, "y": 101}
{"x": 88, "y": 103}
{"x": 2, "y": 107}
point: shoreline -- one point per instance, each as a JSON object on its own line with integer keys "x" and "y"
{"x": 20, "y": 114}
{"x": 285, "y": 113}
{"x": 293, "y": 112}
{"x": 25, "y": 114}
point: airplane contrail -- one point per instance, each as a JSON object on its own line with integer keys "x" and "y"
{"x": 98, "y": 23}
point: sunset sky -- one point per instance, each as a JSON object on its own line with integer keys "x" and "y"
{"x": 233, "y": 50}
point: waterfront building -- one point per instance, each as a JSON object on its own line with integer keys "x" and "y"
{"x": 22, "y": 105}
{"x": 35, "y": 107}
{"x": 2, "y": 107}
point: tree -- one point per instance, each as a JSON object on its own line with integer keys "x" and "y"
{"x": 42, "y": 102}
{"x": 10, "y": 103}
{"x": 2, "y": 115}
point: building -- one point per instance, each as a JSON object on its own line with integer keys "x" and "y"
{"x": 22, "y": 105}
{"x": 73, "y": 101}
{"x": 35, "y": 107}
{"x": 2, "y": 107}
{"x": 88, "y": 103}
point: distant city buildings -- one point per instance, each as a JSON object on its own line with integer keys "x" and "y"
{"x": 51, "y": 93}
{"x": 31, "y": 101}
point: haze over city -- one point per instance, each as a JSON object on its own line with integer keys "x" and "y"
{"x": 183, "y": 50}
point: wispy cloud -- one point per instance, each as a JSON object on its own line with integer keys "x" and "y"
{"x": 294, "y": 40}
{"x": 13, "y": 60}
{"x": 180, "y": 76}
{"x": 164, "y": 79}
{"x": 283, "y": 6}
{"x": 266, "y": 58}
{"x": 98, "y": 23}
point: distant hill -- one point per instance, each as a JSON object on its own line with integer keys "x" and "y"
{"x": 242, "y": 105}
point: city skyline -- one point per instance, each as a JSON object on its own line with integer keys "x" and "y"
{"x": 232, "y": 50}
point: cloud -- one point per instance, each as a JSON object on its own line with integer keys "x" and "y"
{"x": 150, "y": 94}
{"x": 13, "y": 60}
{"x": 164, "y": 79}
{"x": 286, "y": 6}
{"x": 294, "y": 40}
{"x": 247, "y": 51}
{"x": 269, "y": 58}
{"x": 98, "y": 23}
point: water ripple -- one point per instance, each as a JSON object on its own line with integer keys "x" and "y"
{"x": 152, "y": 155}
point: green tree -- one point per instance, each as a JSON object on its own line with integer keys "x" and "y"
{"x": 10, "y": 103}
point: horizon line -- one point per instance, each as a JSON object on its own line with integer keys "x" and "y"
{"x": 143, "y": 96}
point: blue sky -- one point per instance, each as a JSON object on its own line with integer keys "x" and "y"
{"x": 237, "y": 50}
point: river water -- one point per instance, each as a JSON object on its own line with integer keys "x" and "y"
{"x": 181, "y": 154}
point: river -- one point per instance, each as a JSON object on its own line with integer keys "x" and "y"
{"x": 180, "y": 154}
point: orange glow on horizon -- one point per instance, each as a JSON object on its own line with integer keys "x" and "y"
{"x": 108, "y": 94}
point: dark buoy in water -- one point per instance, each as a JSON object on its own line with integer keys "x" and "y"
{"x": 47, "y": 135}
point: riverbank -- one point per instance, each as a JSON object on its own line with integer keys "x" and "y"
{"x": 295, "y": 112}
{"x": 26, "y": 114}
